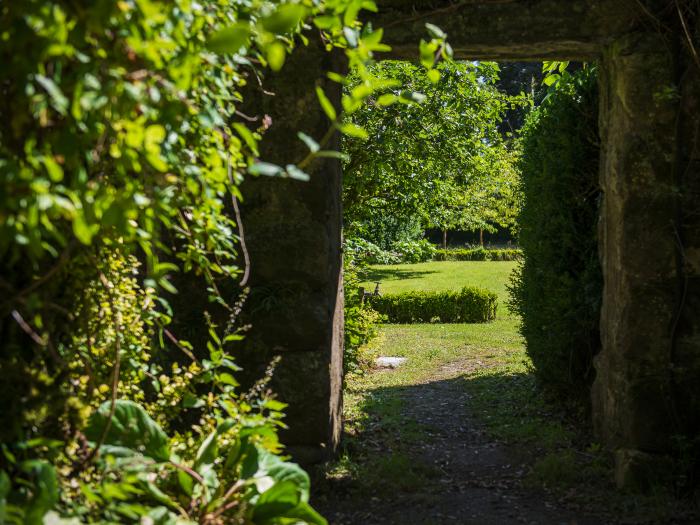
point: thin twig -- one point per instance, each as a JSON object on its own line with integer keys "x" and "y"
{"x": 239, "y": 223}
{"x": 192, "y": 473}
{"x": 170, "y": 336}
{"x": 688, "y": 36}
{"x": 247, "y": 117}
{"x": 28, "y": 329}
{"x": 322, "y": 143}
{"x": 224, "y": 508}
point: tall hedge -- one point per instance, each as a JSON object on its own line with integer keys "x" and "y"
{"x": 557, "y": 289}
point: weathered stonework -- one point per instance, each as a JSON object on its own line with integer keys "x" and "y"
{"x": 633, "y": 399}
{"x": 509, "y": 29}
{"x": 293, "y": 231}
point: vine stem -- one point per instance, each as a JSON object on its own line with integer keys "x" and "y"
{"x": 239, "y": 223}
{"x": 688, "y": 36}
{"x": 322, "y": 143}
{"x": 228, "y": 506}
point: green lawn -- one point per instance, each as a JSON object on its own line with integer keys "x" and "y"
{"x": 445, "y": 275}
{"x": 489, "y": 357}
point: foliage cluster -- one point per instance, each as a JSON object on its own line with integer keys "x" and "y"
{"x": 468, "y": 305}
{"x": 479, "y": 254}
{"x": 121, "y": 150}
{"x": 442, "y": 163}
{"x": 557, "y": 289}
{"x": 361, "y": 320}
{"x": 408, "y": 251}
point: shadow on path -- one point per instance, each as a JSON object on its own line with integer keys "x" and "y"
{"x": 421, "y": 457}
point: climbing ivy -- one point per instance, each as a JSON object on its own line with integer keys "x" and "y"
{"x": 122, "y": 148}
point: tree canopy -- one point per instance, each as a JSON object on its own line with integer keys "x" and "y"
{"x": 437, "y": 154}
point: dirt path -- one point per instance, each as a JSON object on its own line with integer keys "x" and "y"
{"x": 468, "y": 477}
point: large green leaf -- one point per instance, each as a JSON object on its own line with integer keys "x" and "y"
{"x": 131, "y": 427}
{"x": 284, "y": 19}
{"x": 278, "y": 500}
{"x": 44, "y": 490}
{"x": 230, "y": 39}
{"x": 286, "y": 500}
{"x": 4, "y": 491}
{"x": 271, "y": 465}
{"x": 306, "y": 514}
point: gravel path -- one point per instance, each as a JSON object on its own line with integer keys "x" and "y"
{"x": 474, "y": 480}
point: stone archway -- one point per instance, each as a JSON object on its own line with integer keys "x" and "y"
{"x": 649, "y": 367}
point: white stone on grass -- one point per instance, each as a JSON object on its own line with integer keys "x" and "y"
{"x": 390, "y": 362}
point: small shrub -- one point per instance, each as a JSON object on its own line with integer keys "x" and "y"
{"x": 361, "y": 321}
{"x": 414, "y": 251}
{"x": 468, "y": 305}
{"x": 478, "y": 254}
{"x": 368, "y": 252}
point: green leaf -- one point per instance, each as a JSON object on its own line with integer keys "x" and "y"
{"x": 387, "y": 99}
{"x": 310, "y": 142}
{"x": 305, "y": 513}
{"x": 333, "y": 155}
{"x": 435, "y": 31}
{"x": 412, "y": 96}
{"x": 434, "y": 76}
{"x": 230, "y": 39}
{"x": 326, "y": 104}
{"x": 5, "y": 486}
{"x": 131, "y": 427}
{"x": 208, "y": 449}
{"x": 353, "y": 130}
{"x": 325, "y": 22}
{"x": 427, "y": 54}
{"x": 45, "y": 490}
{"x": 284, "y": 19}
{"x": 265, "y": 168}
{"x": 295, "y": 173}
{"x": 53, "y": 169}
{"x": 275, "y": 502}
{"x": 82, "y": 230}
{"x": 247, "y": 136}
{"x": 58, "y": 99}
{"x": 275, "y": 54}
{"x": 350, "y": 36}
{"x": 271, "y": 465}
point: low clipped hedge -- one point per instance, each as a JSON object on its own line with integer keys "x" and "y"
{"x": 468, "y": 305}
{"x": 478, "y": 254}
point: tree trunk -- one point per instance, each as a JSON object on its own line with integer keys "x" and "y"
{"x": 444, "y": 239}
{"x": 481, "y": 237}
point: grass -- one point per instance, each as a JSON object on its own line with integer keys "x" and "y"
{"x": 444, "y": 275}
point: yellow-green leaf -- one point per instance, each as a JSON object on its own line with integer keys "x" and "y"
{"x": 275, "y": 54}
{"x": 284, "y": 19}
{"x": 326, "y": 104}
{"x": 230, "y": 39}
{"x": 353, "y": 130}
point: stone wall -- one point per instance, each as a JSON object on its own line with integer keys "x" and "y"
{"x": 632, "y": 393}
{"x": 293, "y": 234}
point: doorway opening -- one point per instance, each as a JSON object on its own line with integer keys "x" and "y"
{"x": 434, "y": 392}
